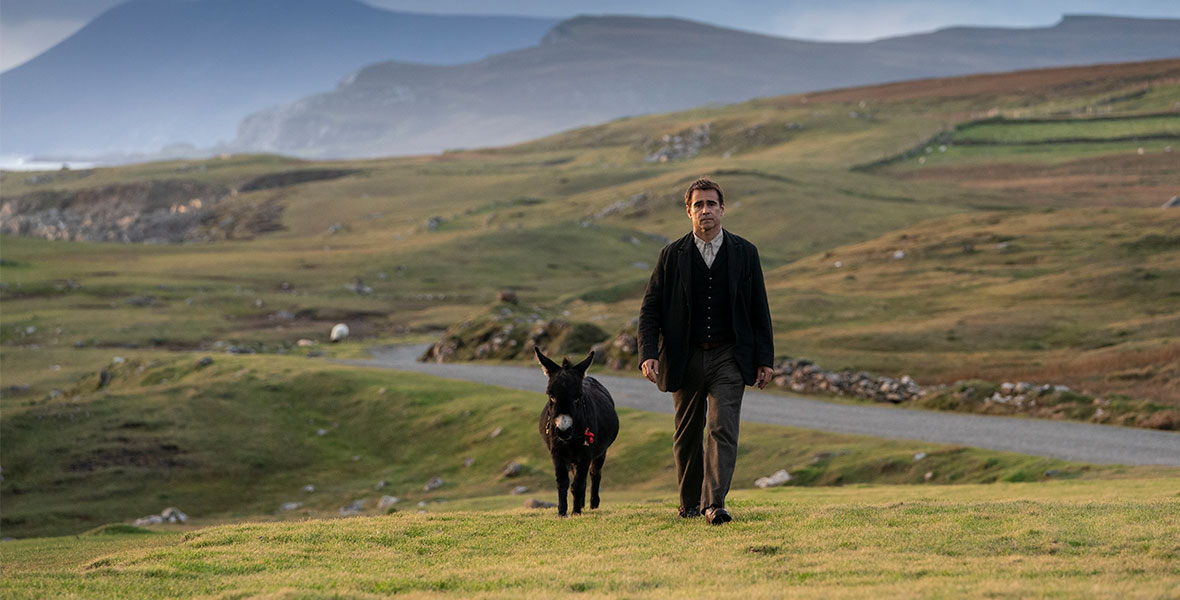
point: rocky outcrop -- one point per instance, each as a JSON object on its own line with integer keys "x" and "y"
{"x": 682, "y": 145}
{"x": 167, "y": 211}
{"x": 510, "y": 332}
{"x": 154, "y": 212}
{"x": 158, "y": 211}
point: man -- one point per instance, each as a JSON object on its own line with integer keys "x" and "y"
{"x": 704, "y": 334}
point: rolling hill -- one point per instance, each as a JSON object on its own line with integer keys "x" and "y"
{"x": 154, "y": 73}
{"x": 1005, "y": 270}
{"x": 591, "y": 69}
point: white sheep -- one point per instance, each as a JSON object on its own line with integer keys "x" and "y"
{"x": 339, "y": 332}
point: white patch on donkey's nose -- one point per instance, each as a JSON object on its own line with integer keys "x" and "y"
{"x": 564, "y": 422}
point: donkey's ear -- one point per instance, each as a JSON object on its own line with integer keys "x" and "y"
{"x": 547, "y": 365}
{"x": 582, "y": 366}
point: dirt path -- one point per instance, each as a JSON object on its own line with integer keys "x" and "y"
{"x": 1065, "y": 440}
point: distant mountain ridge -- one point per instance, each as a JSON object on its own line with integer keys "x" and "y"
{"x": 149, "y": 73}
{"x": 592, "y": 69}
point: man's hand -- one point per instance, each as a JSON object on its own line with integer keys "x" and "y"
{"x": 651, "y": 369}
{"x": 765, "y": 374}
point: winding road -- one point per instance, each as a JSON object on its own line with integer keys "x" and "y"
{"x": 1083, "y": 442}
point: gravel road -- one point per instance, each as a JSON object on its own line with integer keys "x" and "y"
{"x": 1103, "y": 444}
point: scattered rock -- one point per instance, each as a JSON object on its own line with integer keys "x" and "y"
{"x": 513, "y": 469}
{"x": 304, "y": 343}
{"x": 288, "y": 506}
{"x": 919, "y": 456}
{"x": 204, "y": 362}
{"x": 321, "y": 432}
{"x": 520, "y": 489}
{"x": 434, "y": 223}
{"x": 683, "y": 145}
{"x": 163, "y": 211}
{"x": 387, "y": 501}
{"x": 380, "y": 485}
{"x": 467, "y": 462}
{"x": 534, "y": 503}
{"x": 508, "y": 296}
{"x": 309, "y": 488}
{"x": 359, "y": 287}
{"x": 140, "y": 301}
{"x": 168, "y": 515}
{"x": 104, "y": 378}
{"x": 806, "y": 377}
{"x": 778, "y": 478}
{"x": 928, "y": 476}
{"x": 635, "y": 205}
{"x": 433, "y": 484}
{"x": 495, "y": 433}
{"x": 1173, "y": 203}
{"x": 356, "y": 507}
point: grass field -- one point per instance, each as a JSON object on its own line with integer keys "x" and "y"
{"x": 1063, "y": 539}
{"x": 1089, "y": 130}
{"x": 1045, "y": 262}
{"x": 242, "y": 436}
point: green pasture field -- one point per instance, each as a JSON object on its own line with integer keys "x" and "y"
{"x": 998, "y": 282}
{"x": 1067, "y": 539}
{"x": 1095, "y": 129}
{"x": 238, "y": 438}
{"x": 1048, "y": 154}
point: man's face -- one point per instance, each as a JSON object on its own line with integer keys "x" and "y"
{"x": 705, "y": 210}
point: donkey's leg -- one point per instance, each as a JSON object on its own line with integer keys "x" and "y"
{"x": 595, "y": 479}
{"x": 580, "y": 486}
{"x": 563, "y": 484}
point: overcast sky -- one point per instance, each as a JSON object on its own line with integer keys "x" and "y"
{"x": 29, "y": 27}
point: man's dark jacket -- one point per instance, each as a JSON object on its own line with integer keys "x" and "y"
{"x": 667, "y": 309}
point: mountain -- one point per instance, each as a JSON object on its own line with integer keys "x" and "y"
{"x": 592, "y": 69}
{"x": 150, "y": 73}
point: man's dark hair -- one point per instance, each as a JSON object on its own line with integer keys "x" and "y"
{"x": 704, "y": 183}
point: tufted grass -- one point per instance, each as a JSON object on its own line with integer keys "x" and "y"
{"x": 1076, "y": 538}
{"x": 240, "y": 437}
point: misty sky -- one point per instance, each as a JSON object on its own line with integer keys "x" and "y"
{"x": 28, "y": 27}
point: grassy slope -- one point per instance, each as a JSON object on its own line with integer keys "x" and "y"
{"x": 1010, "y": 540}
{"x": 242, "y": 436}
{"x": 1044, "y": 296}
{"x": 524, "y": 217}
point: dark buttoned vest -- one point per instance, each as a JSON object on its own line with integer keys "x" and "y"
{"x": 711, "y": 320}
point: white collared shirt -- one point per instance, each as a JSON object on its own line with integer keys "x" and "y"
{"x": 716, "y": 241}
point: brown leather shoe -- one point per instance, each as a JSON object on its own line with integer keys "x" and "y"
{"x": 691, "y": 512}
{"x": 717, "y": 515}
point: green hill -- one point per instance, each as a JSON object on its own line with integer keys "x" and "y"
{"x": 241, "y": 436}
{"x": 1070, "y": 278}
